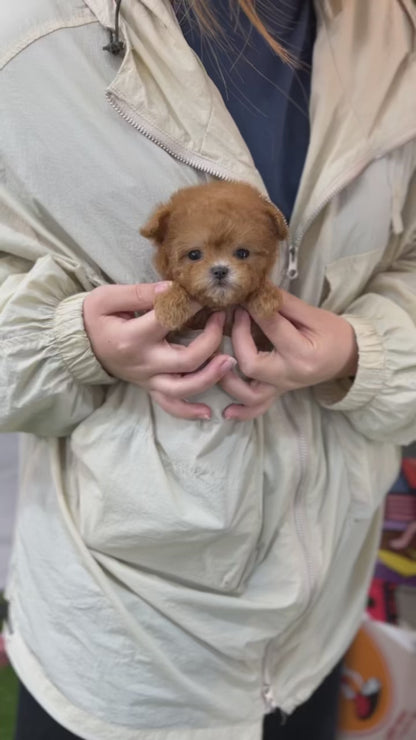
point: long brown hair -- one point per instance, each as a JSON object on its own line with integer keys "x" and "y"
{"x": 205, "y": 16}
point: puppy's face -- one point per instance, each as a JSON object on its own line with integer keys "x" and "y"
{"x": 218, "y": 241}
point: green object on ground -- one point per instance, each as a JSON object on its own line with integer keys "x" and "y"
{"x": 8, "y": 693}
{"x": 8, "y": 700}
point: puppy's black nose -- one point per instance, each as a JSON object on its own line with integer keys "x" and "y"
{"x": 220, "y": 271}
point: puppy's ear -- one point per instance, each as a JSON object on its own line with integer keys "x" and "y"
{"x": 157, "y": 225}
{"x": 278, "y": 221}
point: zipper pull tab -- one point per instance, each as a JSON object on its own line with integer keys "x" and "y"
{"x": 268, "y": 698}
{"x": 292, "y": 268}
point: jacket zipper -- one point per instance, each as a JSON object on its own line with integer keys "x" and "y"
{"x": 154, "y": 135}
{"x": 298, "y": 509}
{"x": 267, "y": 693}
{"x": 310, "y": 571}
{"x": 299, "y": 512}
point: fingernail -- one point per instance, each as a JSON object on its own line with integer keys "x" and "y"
{"x": 241, "y": 314}
{"x": 161, "y": 287}
{"x": 205, "y": 417}
{"x": 219, "y": 317}
{"x": 228, "y": 364}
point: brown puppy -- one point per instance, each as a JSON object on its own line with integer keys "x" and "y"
{"x": 217, "y": 243}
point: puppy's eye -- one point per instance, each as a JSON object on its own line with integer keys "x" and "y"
{"x": 195, "y": 255}
{"x": 241, "y": 253}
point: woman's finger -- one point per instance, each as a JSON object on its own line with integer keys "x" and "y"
{"x": 171, "y": 358}
{"x": 147, "y": 327}
{"x": 190, "y": 358}
{"x": 111, "y": 299}
{"x": 246, "y": 392}
{"x": 203, "y": 346}
{"x": 238, "y": 412}
{"x": 183, "y": 386}
{"x": 181, "y": 409}
{"x": 241, "y": 335}
{"x": 261, "y": 366}
{"x": 282, "y": 333}
{"x": 297, "y": 311}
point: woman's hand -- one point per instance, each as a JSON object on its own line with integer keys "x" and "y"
{"x": 136, "y": 350}
{"x": 310, "y": 346}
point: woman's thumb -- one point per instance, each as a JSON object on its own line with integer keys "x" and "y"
{"x": 138, "y": 297}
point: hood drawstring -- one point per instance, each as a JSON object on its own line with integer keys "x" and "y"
{"x": 115, "y": 45}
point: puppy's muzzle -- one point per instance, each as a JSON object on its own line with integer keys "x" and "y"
{"x": 220, "y": 273}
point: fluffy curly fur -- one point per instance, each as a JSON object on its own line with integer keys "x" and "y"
{"x": 217, "y": 243}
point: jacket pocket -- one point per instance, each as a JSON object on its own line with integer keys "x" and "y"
{"x": 181, "y": 499}
{"x": 370, "y": 468}
{"x": 345, "y": 279}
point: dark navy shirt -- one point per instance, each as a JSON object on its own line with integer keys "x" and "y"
{"x": 267, "y": 99}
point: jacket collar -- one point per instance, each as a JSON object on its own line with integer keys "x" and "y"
{"x": 103, "y": 10}
{"x": 331, "y": 8}
{"x": 363, "y": 77}
{"x": 162, "y": 88}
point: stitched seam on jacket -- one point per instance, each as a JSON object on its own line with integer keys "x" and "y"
{"x": 45, "y": 29}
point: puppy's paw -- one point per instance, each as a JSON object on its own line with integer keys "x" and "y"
{"x": 173, "y": 307}
{"x": 266, "y": 302}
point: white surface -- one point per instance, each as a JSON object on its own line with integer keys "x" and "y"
{"x": 8, "y": 496}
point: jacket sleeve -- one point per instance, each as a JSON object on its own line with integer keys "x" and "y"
{"x": 380, "y": 403}
{"x": 50, "y": 379}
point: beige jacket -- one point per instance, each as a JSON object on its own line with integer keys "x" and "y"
{"x": 174, "y": 580}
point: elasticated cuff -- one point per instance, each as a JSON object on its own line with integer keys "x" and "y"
{"x": 74, "y": 345}
{"x": 350, "y": 394}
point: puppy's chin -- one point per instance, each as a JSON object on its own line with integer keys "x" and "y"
{"x": 219, "y": 297}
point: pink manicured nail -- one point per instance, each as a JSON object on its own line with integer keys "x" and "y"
{"x": 161, "y": 287}
{"x": 241, "y": 315}
{"x": 218, "y": 318}
{"x": 228, "y": 364}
